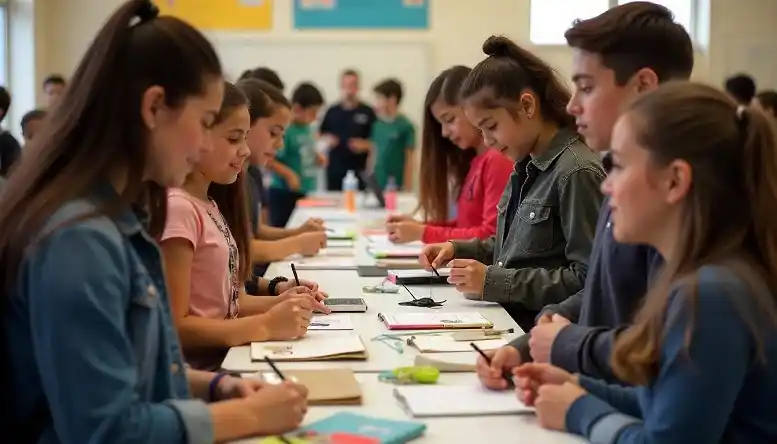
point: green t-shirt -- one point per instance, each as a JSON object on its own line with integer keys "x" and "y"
{"x": 391, "y": 139}
{"x": 299, "y": 154}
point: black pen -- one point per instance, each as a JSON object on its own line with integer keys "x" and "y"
{"x": 505, "y": 374}
{"x": 296, "y": 278}
{"x": 435, "y": 271}
{"x": 274, "y": 368}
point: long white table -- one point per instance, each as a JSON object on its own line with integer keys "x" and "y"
{"x": 378, "y": 399}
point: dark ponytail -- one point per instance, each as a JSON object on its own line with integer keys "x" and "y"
{"x": 97, "y": 128}
{"x": 508, "y": 71}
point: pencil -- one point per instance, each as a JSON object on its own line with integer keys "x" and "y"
{"x": 506, "y": 375}
{"x": 274, "y": 368}
{"x": 296, "y": 278}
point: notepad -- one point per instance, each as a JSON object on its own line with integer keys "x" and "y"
{"x": 344, "y": 243}
{"x": 386, "y": 431}
{"x": 325, "y": 387}
{"x": 315, "y": 346}
{"x": 434, "y": 320}
{"x": 447, "y": 343}
{"x": 331, "y": 322}
{"x": 447, "y": 362}
{"x": 326, "y": 263}
{"x": 394, "y": 251}
{"x": 424, "y": 401}
{"x": 419, "y": 277}
{"x": 382, "y": 240}
{"x": 340, "y": 235}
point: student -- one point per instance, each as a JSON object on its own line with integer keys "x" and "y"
{"x": 703, "y": 350}
{"x": 741, "y": 88}
{"x": 547, "y": 215}
{"x": 617, "y": 277}
{"x": 270, "y": 116}
{"x": 90, "y": 349}
{"x": 454, "y": 161}
{"x": 10, "y": 150}
{"x": 31, "y": 123}
{"x": 767, "y": 100}
{"x": 264, "y": 73}
{"x": 206, "y": 247}
{"x": 53, "y": 88}
{"x": 295, "y": 167}
{"x": 346, "y": 127}
{"x": 393, "y": 138}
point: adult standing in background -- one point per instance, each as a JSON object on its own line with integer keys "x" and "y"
{"x": 347, "y": 126}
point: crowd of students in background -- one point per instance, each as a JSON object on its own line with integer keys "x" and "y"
{"x": 635, "y": 246}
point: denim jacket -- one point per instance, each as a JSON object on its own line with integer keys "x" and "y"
{"x": 90, "y": 334}
{"x": 545, "y": 229}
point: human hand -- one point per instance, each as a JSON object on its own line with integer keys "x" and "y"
{"x": 503, "y": 361}
{"x": 543, "y": 336}
{"x": 531, "y": 376}
{"x": 293, "y": 182}
{"x": 553, "y": 403}
{"x": 306, "y": 289}
{"x": 359, "y": 145}
{"x": 230, "y": 387}
{"x": 331, "y": 140}
{"x": 309, "y": 244}
{"x": 279, "y": 408}
{"x": 544, "y": 318}
{"x": 312, "y": 225}
{"x": 405, "y": 231}
{"x": 468, "y": 275}
{"x": 436, "y": 255}
{"x": 288, "y": 319}
{"x": 321, "y": 160}
{"x": 398, "y": 218}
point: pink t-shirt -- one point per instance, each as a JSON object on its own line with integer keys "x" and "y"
{"x": 211, "y": 288}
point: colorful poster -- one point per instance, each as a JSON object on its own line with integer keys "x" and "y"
{"x": 364, "y": 14}
{"x": 221, "y": 15}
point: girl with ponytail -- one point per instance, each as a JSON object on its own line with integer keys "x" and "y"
{"x": 699, "y": 184}
{"x": 90, "y": 350}
{"x": 547, "y": 214}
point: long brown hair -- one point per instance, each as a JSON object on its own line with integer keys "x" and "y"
{"x": 97, "y": 128}
{"x": 729, "y": 218}
{"x": 442, "y": 163}
{"x": 500, "y": 78}
{"x": 231, "y": 199}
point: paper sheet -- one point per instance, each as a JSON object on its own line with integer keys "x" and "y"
{"x": 458, "y": 400}
{"x": 446, "y": 343}
{"x": 431, "y": 320}
{"x": 331, "y": 322}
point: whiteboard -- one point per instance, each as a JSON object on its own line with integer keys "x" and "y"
{"x": 322, "y": 62}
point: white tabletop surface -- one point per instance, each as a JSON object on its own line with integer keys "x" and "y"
{"x": 379, "y": 401}
{"x": 378, "y": 398}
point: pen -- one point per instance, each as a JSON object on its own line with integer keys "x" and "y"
{"x": 296, "y": 278}
{"x": 274, "y": 368}
{"x": 506, "y": 375}
{"x": 435, "y": 271}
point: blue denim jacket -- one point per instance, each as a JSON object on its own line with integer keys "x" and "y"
{"x": 90, "y": 333}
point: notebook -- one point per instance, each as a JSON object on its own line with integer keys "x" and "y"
{"x": 326, "y": 263}
{"x": 394, "y": 251}
{"x": 424, "y": 401}
{"x": 331, "y": 322}
{"x": 386, "y": 431}
{"x": 399, "y": 264}
{"x": 447, "y": 343}
{"x": 333, "y": 234}
{"x": 343, "y": 243}
{"x": 315, "y": 346}
{"x": 447, "y": 362}
{"x": 325, "y": 387}
{"x": 383, "y": 240}
{"x": 419, "y": 277}
{"x": 434, "y": 320}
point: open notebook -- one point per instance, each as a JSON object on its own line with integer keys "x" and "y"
{"x": 422, "y": 401}
{"x": 315, "y": 346}
{"x": 434, "y": 320}
{"x": 447, "y": 343}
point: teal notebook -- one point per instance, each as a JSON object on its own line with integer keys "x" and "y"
{"x": 386, "y": 430}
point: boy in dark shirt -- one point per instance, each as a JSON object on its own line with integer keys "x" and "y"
{"x": 10, "y": 150}
{"x": 623, "y": 52}
{"x": 347, "y": 126}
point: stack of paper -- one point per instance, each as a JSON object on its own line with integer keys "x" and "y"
{"x": 328, "y": 262}
{"x": 458, "y": 400}
{"x": 315, "y": 346}
{"x": 332, "y": 322}
{"x": 434, "y": 320}
{"x": 382, "y": 240}
{"x": 447, "y": 343}
{"x": 395, "y": 251}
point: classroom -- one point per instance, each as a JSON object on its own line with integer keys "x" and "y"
{"x": 388, "y": 221}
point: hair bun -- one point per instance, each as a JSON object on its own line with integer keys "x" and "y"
{"x": 147, "y": 10}
{"x": 497, "y": 46}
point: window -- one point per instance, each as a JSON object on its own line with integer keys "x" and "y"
{"x": 3, "y": 43}
{"x": 551, "y": 18}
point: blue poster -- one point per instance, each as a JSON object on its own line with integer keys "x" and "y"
{"x": 364, "y": 14}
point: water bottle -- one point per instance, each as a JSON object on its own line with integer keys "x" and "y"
{"x": 390, "y": 194}
{"x": 350, "y": 188}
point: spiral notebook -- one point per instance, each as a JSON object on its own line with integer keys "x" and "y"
{"x": 434, "y": 320}
{"x": 425, "y": 401}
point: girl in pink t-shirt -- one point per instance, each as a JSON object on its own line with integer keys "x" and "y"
{"x": 206, "y": 251}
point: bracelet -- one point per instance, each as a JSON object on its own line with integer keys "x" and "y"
{"x": 212, "y": 386}
{"x": 271, "y": 287}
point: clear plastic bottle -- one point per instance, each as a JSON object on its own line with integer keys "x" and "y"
{"x": 390, "y": 193}
{"x": 350, "y": 188}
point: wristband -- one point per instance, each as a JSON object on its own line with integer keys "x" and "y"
{"x": 271, "y": 287}
{"x": 213, "y": 384}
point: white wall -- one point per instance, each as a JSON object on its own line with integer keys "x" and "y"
{"x": 742, "y": 36}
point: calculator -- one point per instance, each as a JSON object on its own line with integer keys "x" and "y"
{"x": 346, "y": 305}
